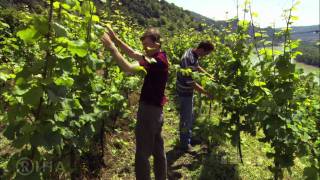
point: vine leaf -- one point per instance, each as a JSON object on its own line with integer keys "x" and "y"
{"x": 27, "y": 35}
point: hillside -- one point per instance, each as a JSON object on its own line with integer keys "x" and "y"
{"x": 309, "y": 36}
{"x": 168, "y": 16}
{"x": 161, "y": 13}
{"x": 144, "y": 12}
{"x": 306, "y": 33}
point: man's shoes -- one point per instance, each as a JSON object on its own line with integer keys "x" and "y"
{"x": 174, "y": 175}
{"x": 195, "y": 141}
{"x": 186, "y": 149}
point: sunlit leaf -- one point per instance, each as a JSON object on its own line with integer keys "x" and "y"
{"x": 60, "y": 30}
{"x": 27, "y": 35}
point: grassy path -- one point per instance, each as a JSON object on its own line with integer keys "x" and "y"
{"x": 219, "y": 163}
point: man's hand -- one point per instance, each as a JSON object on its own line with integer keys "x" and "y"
{"x": 107, "y": 41}
{"x": 111, "y": 33}
{"x": 122, "y": 45}
{"x": 124, "y": 64}
{"x": 200, "y": 69}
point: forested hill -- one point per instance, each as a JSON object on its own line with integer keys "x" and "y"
{"x": 159, "y": 13}
{"x": 306, "y": 33}
{"x": 162, "y": 13}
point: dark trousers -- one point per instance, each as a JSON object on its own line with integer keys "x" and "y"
{"x": 149, "y": 142}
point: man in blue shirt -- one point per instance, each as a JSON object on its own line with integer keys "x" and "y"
{"x": 185, "y": 88}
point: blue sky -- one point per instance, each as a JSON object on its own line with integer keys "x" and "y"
{"x": 269, "y": 11}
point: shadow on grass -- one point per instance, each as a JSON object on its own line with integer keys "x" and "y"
{"x": 217, "y": 167}
{"x": 213, "y": 165}
{"x": 172, "y": 156}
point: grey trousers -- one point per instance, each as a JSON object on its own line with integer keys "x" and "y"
{"x": 149, "y": 142}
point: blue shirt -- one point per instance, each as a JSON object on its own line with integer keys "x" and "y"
{"x": 185, "y": 83}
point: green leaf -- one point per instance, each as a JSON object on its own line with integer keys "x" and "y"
{"x": 10, "y": 131}
{"x": 37, "y": 139}
{"x": 99, "y": 30}
{"x": 297, "y": 53}
{"x": 56, "y": 5}
{"x": 4, "y": 25}
{"x": 294, "y": 18}
{"x": 259, "y": 83}
{"x": 87, "y": 8}
{"x": 267, "y": 43}
{"x": 17, "y": 112}
{"x": 65, "y": 63}
{"x": 52, "y": 139}
{"x": 78, "y": 48}
{"x": 95, "y": 18}
{"x": 284, "y": 65}
{"x": 66, "y": 6}
{"x": 257, "y": 34}
{"x": 41, "y": 24}
{"x": 64, "y": 81}
{"x": 311, "y": 173}
{"x": 56, "y": 91}
{"x": 32, "y": 97}
{"x": 5, "y": 76}
{"x": 20, "y": 141}
{"x": 27, "y": 35}
{"x": 60, "y": 30}
{"x": 255, "y": 14}
{"x": 52, "y": 96}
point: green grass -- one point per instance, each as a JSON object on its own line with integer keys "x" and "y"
{"x": 5, "y": 151}
{"x": 309, "y": 69}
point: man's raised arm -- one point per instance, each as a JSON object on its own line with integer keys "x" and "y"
{"x": 125, "y": 65}
{"x": 123, "y": 46}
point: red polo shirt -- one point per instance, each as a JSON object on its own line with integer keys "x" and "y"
{"x": 154, "y": 85}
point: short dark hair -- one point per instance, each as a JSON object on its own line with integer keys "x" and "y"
{"x": 206, "y": 46}
{"x": 152, "y": 33}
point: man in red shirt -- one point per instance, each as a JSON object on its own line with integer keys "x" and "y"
{"x": 150, "y": 113}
